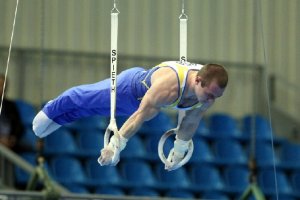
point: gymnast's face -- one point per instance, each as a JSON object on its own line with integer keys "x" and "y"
{"x": 207, "y": 93}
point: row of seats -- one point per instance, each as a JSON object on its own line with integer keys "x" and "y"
{"x": 221, "y": 146}
{"x": 136, "y": 173}
{"x": 149, "y": 192}
{"x": 88, "y": 143}
{"x": 215, "y": 126}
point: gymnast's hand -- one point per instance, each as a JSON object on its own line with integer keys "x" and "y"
{"x": 106, "y": 157}
{"x": 173, "y": 161}
{"x": 110, "y": 155}
{"x": 176, "y": 154}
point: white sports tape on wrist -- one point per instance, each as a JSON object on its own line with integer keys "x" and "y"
{"x": 180, "y": 147}
{"x": 114, "y": 142}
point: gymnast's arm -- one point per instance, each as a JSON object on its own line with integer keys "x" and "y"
{"x": 158, "y": 95}
{"x": 150, "y": 106}
{"x": 189, "y": 124}
{"x": 163, "y": 91}
{"x": 185, "y": 131}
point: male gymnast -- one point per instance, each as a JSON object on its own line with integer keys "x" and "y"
{"x": 141, "y": 94}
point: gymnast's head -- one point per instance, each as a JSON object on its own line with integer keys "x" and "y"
{"x": 210, "y": 82}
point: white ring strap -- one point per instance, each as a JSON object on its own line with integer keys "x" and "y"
{"x": 183, "y": 18}
{"x": 112, "y": 127}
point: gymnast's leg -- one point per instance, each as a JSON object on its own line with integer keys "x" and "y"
{"x": 86, "y": 100}
{"x": 75, "y": 103}
{"x": 43, "y": 126}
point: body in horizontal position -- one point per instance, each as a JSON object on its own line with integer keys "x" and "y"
{"x": 140, "y": 95}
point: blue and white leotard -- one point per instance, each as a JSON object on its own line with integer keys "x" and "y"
{"x": 132, "y": 84}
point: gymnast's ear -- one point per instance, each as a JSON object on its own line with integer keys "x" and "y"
{"x": 198, "y": 79}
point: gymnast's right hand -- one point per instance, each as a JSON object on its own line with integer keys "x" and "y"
{"x": 106, "y": 157}
{"x": 110, "y": 155}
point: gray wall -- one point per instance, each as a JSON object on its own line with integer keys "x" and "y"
{"x": 223, "y": 31}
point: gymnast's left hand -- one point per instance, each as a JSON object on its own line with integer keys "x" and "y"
{"x": 173, "y": 161}
{"x": 106, "y": 157}
{"x": 177, "y": 154}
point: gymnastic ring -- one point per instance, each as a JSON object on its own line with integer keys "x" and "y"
{"x": 107, "y": 135}
{"x": 161, "y": 150}
{"x": 112, "y": 128}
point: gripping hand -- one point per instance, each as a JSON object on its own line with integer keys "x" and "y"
{"x": 179, "y": 155}
{"x": 110, "y": 154}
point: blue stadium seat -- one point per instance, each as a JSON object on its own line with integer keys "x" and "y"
{"x": 22, "y": 177}
{"x": 283, "y": 197}
{"x": 101, "y": 175}
{"x": 158, "y": 125}
{"x": 264, "y": 154}
{"x": 205, "y": 177}
{"x": 261, "y": 127}
{"x": 75, "y": 188}
{"x": 228, "y": 152}
{"x": 290, "y": 156}
{"x": 250, "y": 197}
{"x": 110, "y": 190}
{"x": 91, "y": 123}
{"x": 120, "y": 120}
{"x": 134, "y": 149}
{"x": 137, "y": 173}
{"x": 68, "y": 170}
{"x": 222, "y": 125}
{"x": 151, "y": 145}
{"x": 60, "y": 142}
{"x": 215, "y": 195}
{"x": 202, "y": 129}
{"x": 202, "y": 152}
{"x": 236, "y": 179}
{"x": 27, "y": 112}
{"x": 90, "y": 143}
{"x": 257, "y": 123}
{"x": 295, "y": 182}
{"x": 29, "y": 139}
{"x": 266, "y": 179}
{"x": 171, "y": 179}
{"x": 179, "y": 193}
{"x": 144, "y": 192}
